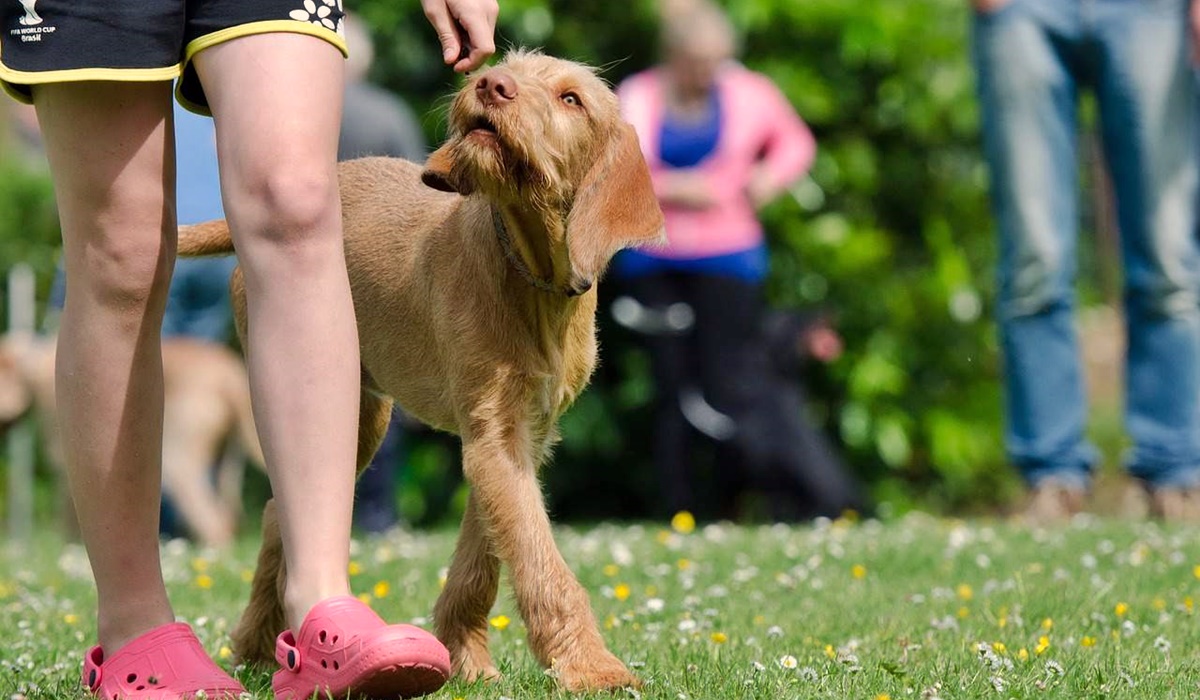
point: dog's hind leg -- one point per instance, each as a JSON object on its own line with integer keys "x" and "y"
{"x": 499, "y": 464}
{"x": 374, "y": 415}
{"x": 461, "y": 614}
{"x": 263, "y": 619}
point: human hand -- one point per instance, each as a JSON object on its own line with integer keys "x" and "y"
{"x": 689, "y": 190}
{"x": 1194, "y": 21}
{"x": 466, "y": 30}
{"x": 985, "y": 6}
{"x": 822, "y": 343}
{"x": 760, "y": 189}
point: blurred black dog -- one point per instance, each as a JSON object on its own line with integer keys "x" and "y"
{"x": 765, "y": 441}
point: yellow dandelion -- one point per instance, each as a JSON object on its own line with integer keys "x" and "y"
{"x": 663, "y": 536}
{"x": 1121, "y": 609}
{"x": 883, "y": 696}
{"x": 1159, "y": 604}
{"x": 1087, "y": 642}
{"x": 1189, "y": 604}
{"x": 611, "y": 570}
{"x": 500, "y": 622}
{"x": 354, "y": 569}
{"x": 858, "y": 571}
{"x": 199, "y": 564}
{"x": 651, "y": 591}
{"x": 441, "y": 580}
{"x": 830, "y": 652}
{"x": 621, "y": 592}
{"x": 718, "y": 637}
{"x": 683, "y": 522}
{"x": 71, "y": 618}
{"x": 1196, "y": 571}
{"x": 965, "y": 591}
{"x": 247, "y": 575}
{"x": 204, "y": 581}
{"x": 610, "y": 622}
{"x": 365, "y": 598}
{"x": 684, "y": 564}
{"x": 963, "y": 612}
{"x": 381, "y": 589}
{"x": 1047, "y": 624}
{"x": 1002, "y": 621}
{"x": 225, "y": 653}
{"x": 760, "y": 620}
{"x": 1042, "y": 645}
{"x": 999, "y": 647}
{"x": 1023, "y": 654}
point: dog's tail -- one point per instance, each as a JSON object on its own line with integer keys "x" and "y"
{"x": 208, "y": 238}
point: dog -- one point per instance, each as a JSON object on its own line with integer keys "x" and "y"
{"x": 206, "y": 420}
{"x": 474, "y": 285}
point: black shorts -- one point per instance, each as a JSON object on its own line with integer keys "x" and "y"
{"x": 56, "y": 41}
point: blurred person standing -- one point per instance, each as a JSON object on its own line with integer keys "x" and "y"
{"x": 721, "y": 141}
{"x": 376, "y": 122}
{"x": 1032, "y": 58}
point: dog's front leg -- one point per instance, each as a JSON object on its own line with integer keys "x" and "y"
{"x": 563, "y": 634}
{"x": 461, "y": 614}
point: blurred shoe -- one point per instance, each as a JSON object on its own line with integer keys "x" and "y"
{"x": 1175, "y": 504}
{"x": 1053, "y": 502}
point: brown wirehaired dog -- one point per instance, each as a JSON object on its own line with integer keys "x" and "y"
{"x": 476, "y": 312}
{"x": 206, "y": 420}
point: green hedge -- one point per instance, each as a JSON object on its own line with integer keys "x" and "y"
{"x": 892, "y": 231}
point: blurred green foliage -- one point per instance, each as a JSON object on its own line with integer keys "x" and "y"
{"x": 892, "y": 231}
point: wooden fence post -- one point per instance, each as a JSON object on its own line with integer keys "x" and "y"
{"x": 21, "y": 312}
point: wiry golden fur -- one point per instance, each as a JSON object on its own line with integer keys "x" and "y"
{"x": 454, "y": 331}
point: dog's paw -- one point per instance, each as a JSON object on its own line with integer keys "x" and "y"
{"x": 472, "y": 664}
{"x": 597, "y": 671}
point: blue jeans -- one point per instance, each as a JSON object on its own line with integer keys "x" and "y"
{"x": 1032, "y": 57}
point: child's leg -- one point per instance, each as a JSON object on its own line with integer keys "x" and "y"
{"x": 277, "y": 101}
{"x": 111, "y": 151}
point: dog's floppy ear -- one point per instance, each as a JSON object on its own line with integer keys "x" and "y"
{"x": 615, "y": 207}
{"x": 441, "y": 172}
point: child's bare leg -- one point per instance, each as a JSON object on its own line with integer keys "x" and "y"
{"x": 111, "y": 150}
{"x": 276, "y": 99}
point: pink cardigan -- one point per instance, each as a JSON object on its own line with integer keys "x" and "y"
{"x": 758, "y": 125}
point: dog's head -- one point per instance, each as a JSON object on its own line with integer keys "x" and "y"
{"x": 547, "y": 133}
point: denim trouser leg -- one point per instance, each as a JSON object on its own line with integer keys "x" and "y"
{"x": 1148, "y": 103}
{"x": 1028, "y": 99}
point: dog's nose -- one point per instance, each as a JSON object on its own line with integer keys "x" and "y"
{"x": 496, "y": 87}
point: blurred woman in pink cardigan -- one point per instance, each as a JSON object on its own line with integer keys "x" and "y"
{"x": 721, "y": 141}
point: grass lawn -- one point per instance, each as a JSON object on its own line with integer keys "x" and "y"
{"x": 913, "y": 608}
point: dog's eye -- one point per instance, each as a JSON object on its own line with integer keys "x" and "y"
{"x": 572, "y": 99}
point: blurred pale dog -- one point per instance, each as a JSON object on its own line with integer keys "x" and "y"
{"x": 207, "y": 420}
{"x": 476, "y": 313}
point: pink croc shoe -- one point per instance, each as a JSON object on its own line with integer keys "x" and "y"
{"x": 345, "y": 648}
{"x": 166, "y": 663}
